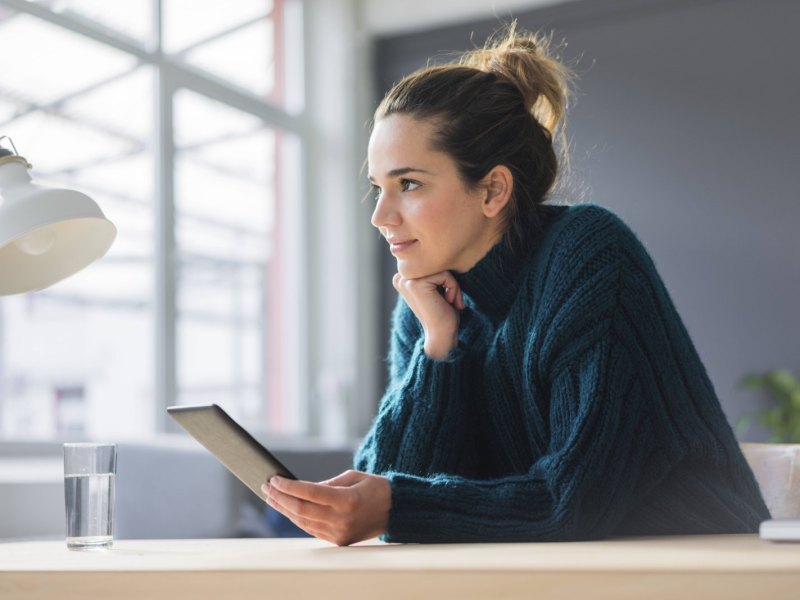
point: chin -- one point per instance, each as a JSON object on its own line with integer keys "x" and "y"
{"x": 412, "y": 271}
{"x": 408, "y": 273}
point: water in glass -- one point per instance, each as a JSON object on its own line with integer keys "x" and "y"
{"x": 90, "y": 507}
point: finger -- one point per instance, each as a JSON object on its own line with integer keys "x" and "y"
{"x": 319, "y": 529}
{"x": 305, "y": 490}
{"x": 455, "y": 296}
{"x": 444, "y": 283}
{"x": 296, "y": 507}
{"x": 346, "y": 479}
{"x": 310, "y": 527}
{"x": 396, "y": 280}
{"x": 443, "y": 279}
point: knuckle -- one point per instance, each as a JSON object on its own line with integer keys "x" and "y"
{"x": 350, "y": 504}
{"x": 348, "y": 523}
{"x": 298, "y": 507}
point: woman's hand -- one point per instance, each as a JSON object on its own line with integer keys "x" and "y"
{"x": 437, "y": 312}
{"x": 351, "y": 507}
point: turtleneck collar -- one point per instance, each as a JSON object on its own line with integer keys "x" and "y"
{"x": 493, "y": 283}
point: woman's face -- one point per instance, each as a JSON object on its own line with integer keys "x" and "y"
{"x": 432, "y": 222}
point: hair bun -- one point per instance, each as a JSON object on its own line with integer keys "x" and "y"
{"x": 525, "y": 60}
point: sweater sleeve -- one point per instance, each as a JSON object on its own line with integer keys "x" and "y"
{"x": 580, "y": 488}
{"x": 600, "y": 442}
{"x": 421, "y": 426}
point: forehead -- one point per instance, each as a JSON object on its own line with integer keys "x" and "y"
{"x": 399, "y": 138}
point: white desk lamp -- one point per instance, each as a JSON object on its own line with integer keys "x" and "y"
{"x": 46, "y": 234}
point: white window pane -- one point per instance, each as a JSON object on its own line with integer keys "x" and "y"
{"x": 191, "y": 22}
{"x": 76, "y": 358}
{"x": 48, "y": 62}
{"x": 9, "y": 107}
{"x": 122, "y": 105}
{"x": 220, "y": 362}
{"x": 220, "y": 288}
{"x": 204, "y": 237}
{"x": 206, "y": 191}
{"x": 251, "y": 44}
{"x": 100, "y": 354}
{"x": 199, "y": 120}
{"x": 54, "y": 144}
{"x": 224, "y": 229}
{"x": 222, "y": 57}
{"x": 103, "y": 177}
{"x": 133, "y": 19}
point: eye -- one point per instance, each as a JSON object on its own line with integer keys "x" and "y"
{"x": 375, "y": 191}
{"x": 409, "y": 185}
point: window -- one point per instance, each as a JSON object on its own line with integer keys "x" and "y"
{"x": 184, "y": 127}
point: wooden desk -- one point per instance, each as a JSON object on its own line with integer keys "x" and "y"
{"x": 721, "y": 566}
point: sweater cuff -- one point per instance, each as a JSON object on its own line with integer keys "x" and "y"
{"x": 428, "y": 374}
{"x": 412, "y": 517}
{"x": 455, "y": 355}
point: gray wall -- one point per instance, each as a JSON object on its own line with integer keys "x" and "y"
{"x": 686, "y": 126}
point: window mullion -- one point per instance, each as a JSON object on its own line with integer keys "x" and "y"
{"x": 166, "y": 269}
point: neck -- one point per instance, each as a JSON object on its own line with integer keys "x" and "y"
{"x": 479, "y": 250}
{"x": 493, "y": 280}
{"x": 491, "y": 284}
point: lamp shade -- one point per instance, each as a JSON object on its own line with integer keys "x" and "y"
{"x": 46, "y": 234}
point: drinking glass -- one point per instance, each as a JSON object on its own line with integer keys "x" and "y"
{"x": 89, "y": 472}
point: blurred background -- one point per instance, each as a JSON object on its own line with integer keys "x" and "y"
{"x": 226, "y": 143}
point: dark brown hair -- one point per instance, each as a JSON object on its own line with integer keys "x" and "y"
{"x": 503, "y": 104}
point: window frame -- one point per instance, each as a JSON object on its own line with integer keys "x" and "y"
{"x": 171, "y": 76}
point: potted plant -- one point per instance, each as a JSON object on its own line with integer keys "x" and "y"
{"x": 782, "y": 420}
{"x": 776, "y": 465}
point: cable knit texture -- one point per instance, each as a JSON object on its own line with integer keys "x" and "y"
{"x": 575, "y": 406}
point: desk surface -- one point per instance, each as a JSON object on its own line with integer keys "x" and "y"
{"x": 719, "y": 566}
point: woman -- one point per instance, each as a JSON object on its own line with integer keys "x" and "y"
{"x": 542, "y": 386}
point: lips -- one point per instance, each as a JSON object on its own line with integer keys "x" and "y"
{"x": 396, "y": 246}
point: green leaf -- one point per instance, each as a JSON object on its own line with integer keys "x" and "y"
{"x": 784, "y": 380}
{"x": 743, "y": 423}
{"x": 751, "y": 381}
{"x": 783, "y": 419}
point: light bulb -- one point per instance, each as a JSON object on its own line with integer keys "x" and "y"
{"x": 36, "y": 242}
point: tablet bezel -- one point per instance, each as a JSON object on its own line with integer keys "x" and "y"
{"x": 249, "y": 461}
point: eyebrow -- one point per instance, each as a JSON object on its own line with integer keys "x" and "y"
{"x": 402, "y": 171}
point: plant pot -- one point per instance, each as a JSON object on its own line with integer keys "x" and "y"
{"x": 777, "y": 471}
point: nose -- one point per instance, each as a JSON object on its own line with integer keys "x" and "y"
{"x": 385, "y": 214}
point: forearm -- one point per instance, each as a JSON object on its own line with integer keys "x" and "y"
{"x": 591, "y": 477}
{"x": 422, "y": 419}
{"x": 448, "y": 509}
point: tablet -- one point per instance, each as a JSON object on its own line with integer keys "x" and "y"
{"x": 239, "y": 451}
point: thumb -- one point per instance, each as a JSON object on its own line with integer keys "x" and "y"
{"x": 345, "y": 479}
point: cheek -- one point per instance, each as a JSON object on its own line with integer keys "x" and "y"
{"x": 434, "y": 218}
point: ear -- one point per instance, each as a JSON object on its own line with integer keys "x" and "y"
{"x": 498, "y": 183}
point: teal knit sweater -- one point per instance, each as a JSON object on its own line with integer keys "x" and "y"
{"x": 575, "y": 406}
